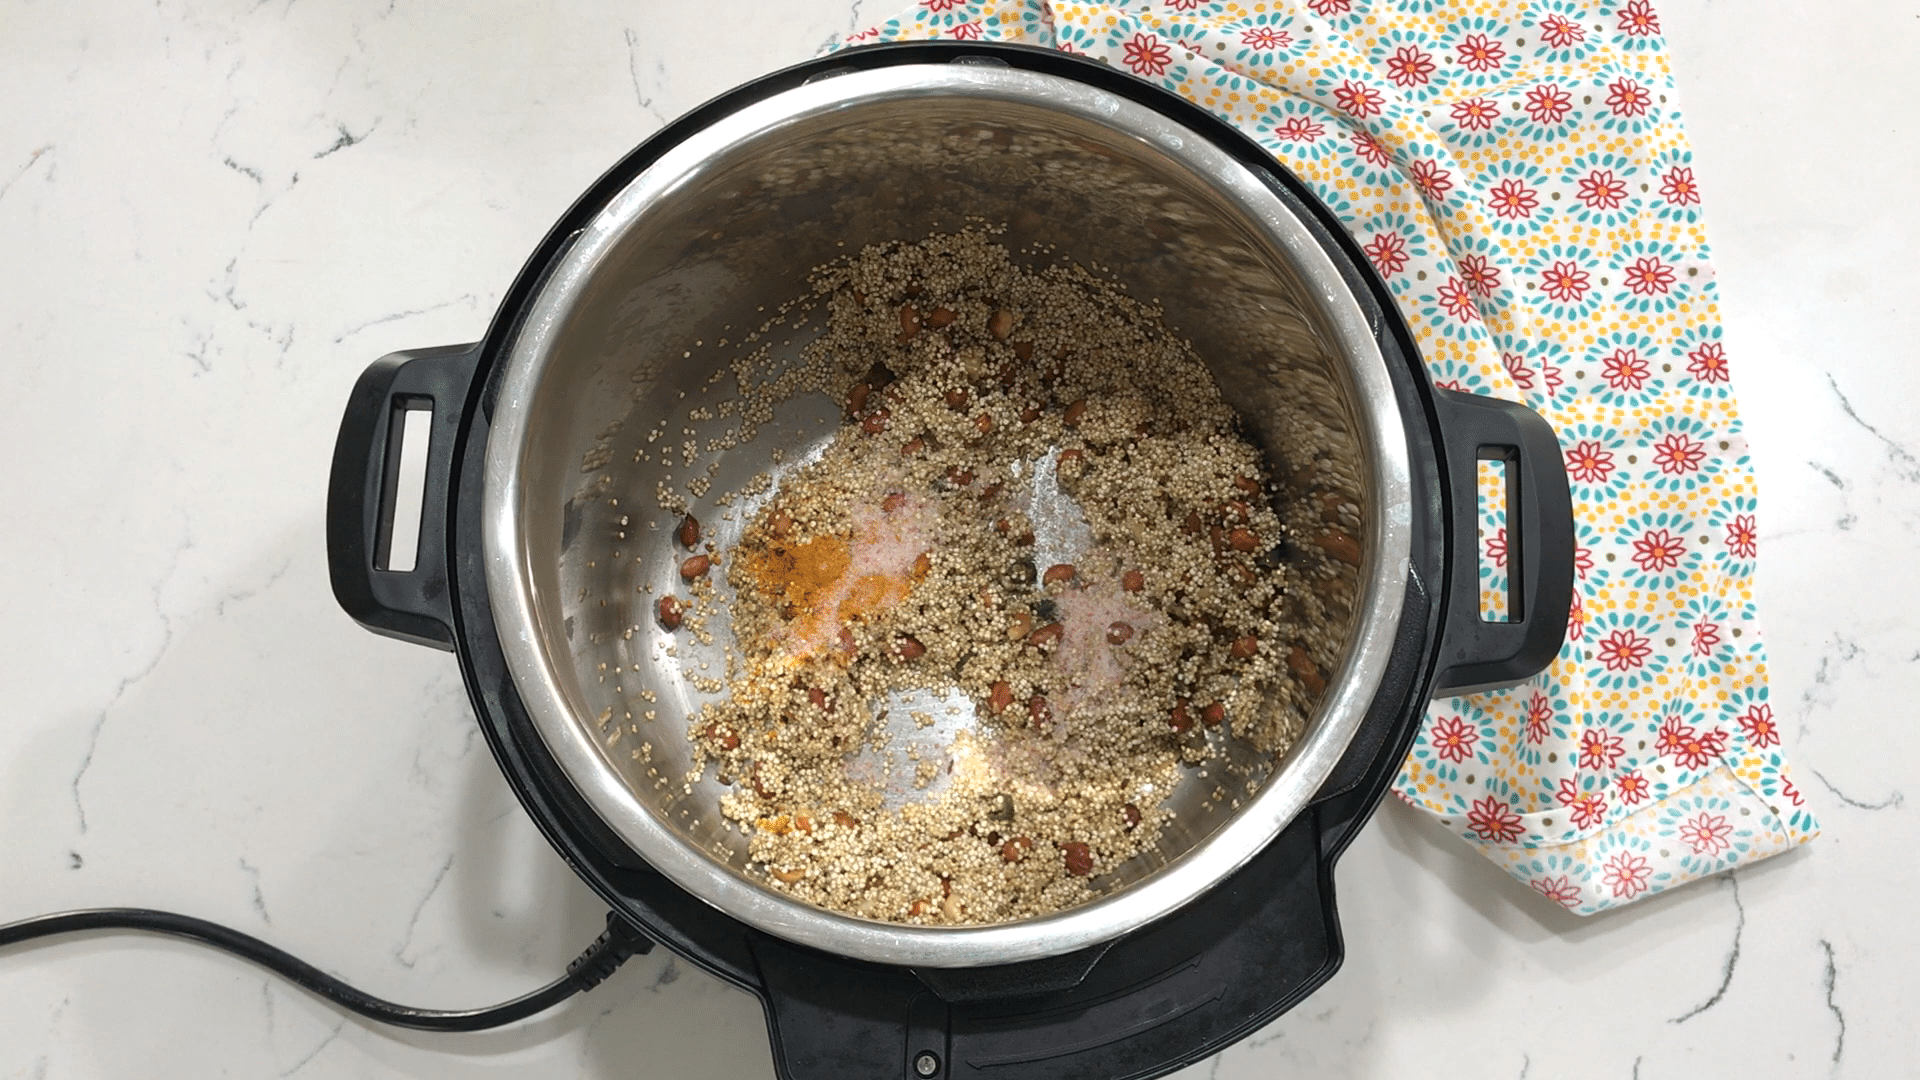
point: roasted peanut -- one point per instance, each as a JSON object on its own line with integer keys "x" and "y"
{"x": 670, "y": 612}
{"x": 1039, "y": 712}
{"x": 999, "y": 698}
{"x": 1078, "y": 857}
{"x": 1339, "y": 545}
{"x": 1303, "y": 668}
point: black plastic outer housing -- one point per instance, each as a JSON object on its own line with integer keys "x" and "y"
{"x": 1162, "y": 997}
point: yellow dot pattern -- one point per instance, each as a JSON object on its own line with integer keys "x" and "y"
{"x": 1517, "y": 173}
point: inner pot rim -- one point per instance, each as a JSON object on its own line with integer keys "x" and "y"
{"x": 523, "y": 629}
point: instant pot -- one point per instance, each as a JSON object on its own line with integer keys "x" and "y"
{"x": 541, "y": 533}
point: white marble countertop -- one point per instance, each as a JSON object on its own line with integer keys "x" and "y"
{"x": 214, "y": 214}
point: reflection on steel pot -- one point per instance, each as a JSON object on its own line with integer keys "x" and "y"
{"x": 535, "y": 433}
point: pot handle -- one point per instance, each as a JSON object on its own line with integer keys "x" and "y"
{"x": 1476, "y": 654}
{"x": 412, "y": 605}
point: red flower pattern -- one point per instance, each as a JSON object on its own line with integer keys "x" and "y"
{"x": 1371, "y": 149}
{"x": 1299, "y": 129}
{"x": 1759, "y": 725}
{"x": 1706, "y": 834}
{"x": 1628, "y": 98}
{"x": 1480, "y": 275}
{"x": 1565, "y": 281}
{"x": 1632, "y": 788}
{"x": 1561, "y": 128}
{"x": 1561, "y": 890}
{"x": 1457, "y": 299}
{"x": 1433, "y": 181}
{"x": 1145, "y": 54}
{"x": 1587, "y": 807}
{"x": 1627, "y": 874}
{"x": 1602, "y": 190}
{"x": 1494, "y": 821}
{"x": 1624, "y": 650}
{"x": 1708, "y": 363}
{"x": 1388, "y": 253}
{"x": 1408, "y": 66}
{"x": 1548, "y": 103}
{"x": 1625, "y": 369}
{"x": 1539, "y": 718}
{"x": 1638, "y": 20}
{"x": 1453, "y": 739}
{"x": 1678, "y": 455}
{"x": 1706, "y": 636}
{"x": 1560, "y": 32}
{"x": 1742, "y": 538}
{"x": 1601, "y": 749}
{"x": 1678, "y": 188}
{"x": 1265, "y": 37}
{"x": 1497, "y": 547}
{"x": 1515, "y": 364}
{"x": 1478, "y": 52}
{"x": 1512, "y": 199}
{"x": 1658, "y": 551}
{"x": 1475, "y": 114}
{"x": 1359, "y": 99}
{"x": 1589, "y": 462}
{"x": 1687, "y": 745}
{"x": 1554, "y": 379}
{"x": 1647, "y": 276}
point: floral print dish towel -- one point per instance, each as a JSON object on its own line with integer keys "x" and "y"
{"x": 1517, "y": 173}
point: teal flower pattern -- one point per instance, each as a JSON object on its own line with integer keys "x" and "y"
{"x": 1517, "y": 175}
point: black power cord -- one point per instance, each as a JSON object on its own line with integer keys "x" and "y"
{"x": 619, "y": 942}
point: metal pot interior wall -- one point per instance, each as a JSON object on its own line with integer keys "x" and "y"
{"x": 709, "y": 256}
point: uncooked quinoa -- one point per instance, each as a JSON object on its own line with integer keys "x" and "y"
{"x": 1037, "y": 516}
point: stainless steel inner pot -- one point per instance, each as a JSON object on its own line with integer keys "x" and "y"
{"x": 623, "y": 338}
